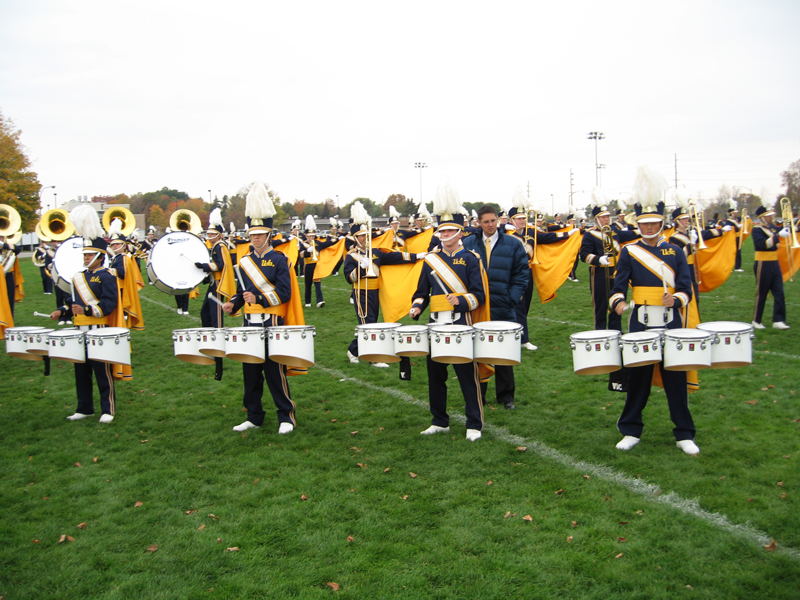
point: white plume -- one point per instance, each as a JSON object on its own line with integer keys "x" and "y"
{"x": 333, "y": 221}
{"x": 86, "y": 222}
{"x": 359, "y": 214}
{"x": 310, "y": 224}
{"x": 520, "y": 200}
{"x": 115, "y": 227}
{"x": 258, "y": 204}
{"x": 393, "y": 214}
{"x": 679, "y": 200}
{"x": 599, "y": 198}
{"x": 474, "y": 214}
{"x": 766, "y": 199}
{"x": 649, "y": 186}
{"x": 446, "y": 201}
{"x": 233, "y": 227}
{"x": 215, "y": 218}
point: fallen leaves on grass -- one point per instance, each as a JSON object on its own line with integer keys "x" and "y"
{"x": 620, "y": 555}
{"x": 362, "y": 465}
{"x": 138, "y": 503}
{"x": 521, "y": 448}
{"x": 386, "y": 470}
{"x": 488, "y": 483}
{"x": 779, "y": 484}
{"x": 569, "y": 539}
{"x": 621, "y": 540}
{"x": 771, "y": 546}
{"x": 350, "y": 538}
{"x": 528, "y": 518}
{"x": 587, "y": 477}
{"x": 559, "y": 492}
{"x": 753, "y": 402}
{"x": 353, "y": 432}
{"x": 189, "y": 512}
{"x": 232, "y": 549}
{"x": 405, "y": 497}
{"x": 77, "y": 464}
{"x": 152, "y": 548}
{"x": 94, "y": 459}
{"x": 413, "y": 475}
{"x": 213, "y": 516}
{"x": 65, "y": 538}
{"x": 303, "y": 497}
{"x": 203, "y": 526}
{"x": 82, "y": 525}
{"x": 333, "y": 585}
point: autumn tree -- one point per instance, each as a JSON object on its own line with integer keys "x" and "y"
{"x": 19, "y": 186}
{"x": 156, "y": 217}
{"x": 791, "y": 179}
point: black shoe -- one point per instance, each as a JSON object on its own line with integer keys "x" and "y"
{"x": 510, "y": 405}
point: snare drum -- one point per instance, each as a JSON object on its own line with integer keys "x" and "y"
{"x": 109, "y": 345}
{"x": 452, "y": 344}
{"x": 411, "y": 340}
{"x": 641, "y": 348}
{"x": 595, "y": 352}
{"x": 171, "y": 264}
{"x": 184, "y": 343}
{"x": 246, "y": 344}
{"x": 687, "y": 349}
{"x": 37, "y": 342}
{"x": 376, "y": 342}
{"x": 732, "y": 343}
{"x": 211, "y": 341}
{"x": 292, "y": 345}
{"x": 498, "y": 342}
{"x": 67, "y": 261}
{"x": 17, "y": 341}
{"x": 67, "y": 344}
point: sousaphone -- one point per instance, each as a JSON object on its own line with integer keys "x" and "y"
{"x": 124, "y": 215}
{"x": 10, "y": 221}
{"x": 185, "y": 220}
{"x": 55, "y": 224}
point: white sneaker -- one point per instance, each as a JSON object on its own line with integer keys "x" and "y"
{"x": 308, "y": 306}
{"x": 688, "y": 446}
{"x": 351, "y": 358}
{"x": 758, "y": 325}
{"x": 106, "y": 418}
{"x": 627, "y": 442}
{"x": 576, "y": 280}
{"x": 473, "y": 434}
{"x": 780, "y": 325}
{"x": 739, "y": 270}
{"x": 180, "y": 311}
{"x": 435, "y": 429}
{"x": 529, "y": 346}
{"x": 285, "y": 428}
{"x": 380, "y": 365}
{"x": 61, "y": 322}
{"x": 321, "y": 304}
{"x": 245, "y": 426}
{"x": 351, "y": 300}
{"x": 69, "y": 322}
{"x": 77, "y": 417}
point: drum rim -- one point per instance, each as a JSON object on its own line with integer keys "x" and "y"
{"x": 688, "y": 334}
{"x": 368, "y": 326}
{"x": 497, "y": 326}
{"x": 744, "y": 327}
{"x": 651, "y": 335}
{"x": 596, "y": 335}
{"x": 66, "y": 334}
{"x": 451, "y": 328}
{"x": 110, "y": 331}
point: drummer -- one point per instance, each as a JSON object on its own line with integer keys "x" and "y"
{"x": 267, "y": 300}
{"x": 455, "y": 278}
{"x": 662, "y": 289}
{"x": 93, "y": 305}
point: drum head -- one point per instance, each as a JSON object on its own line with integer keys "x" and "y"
{"x": 172, "y": 259}
{"x": 68, "y": 260}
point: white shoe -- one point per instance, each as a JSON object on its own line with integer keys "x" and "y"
{"x": 106, "y": 418}
{"x": 69, "y": 322}
{"x": 245, "y": 426}
{"x": 739, "y": 270}
{"x": 688, "y": 446}
{"x": 180, "y": 311}
{"x": 77, "y": 417}
{"x": 529, "y": 346}
{"x": 61, "y": 322}
{"x": 285, "y": 428}
{"x": 758, "y": 325}
{"x": 576, "y": 280}
{"x": 780, "y": 325}
{"x": 435, "y": 429}
{"x": 380, "y": 365}
{"x": 321, "y": 304}
{"x": 473, "y": 434}
{"x": 351, "y": 300}
{"x": 351, "y": 358}
{"x": 308, "y": 306}
{"x": 627, "y": 442}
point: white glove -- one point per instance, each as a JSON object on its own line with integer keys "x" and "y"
{"x": 421, "y": 255}
{"x": 604, "y": 260}
{"x": 693, "y": 236}
{"x": 727, "y": 228}
{"x": 784, "y": 233}
{"x": 365, "y": 262}
{"x": 572, "y": 232}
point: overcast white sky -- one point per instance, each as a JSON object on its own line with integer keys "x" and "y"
{"x": 324, "y": 99}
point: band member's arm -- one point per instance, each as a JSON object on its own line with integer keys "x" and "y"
{"x": 421, "y": 297}
{"x": 397, "y": 258}
{"x": 683, "y": 282}
{"x": 589, "y": 252}
{"x": 619, "y": 293}
{"x": 762, "y": 240}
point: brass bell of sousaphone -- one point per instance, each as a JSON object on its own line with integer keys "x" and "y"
{"x": 10, "y": 221}
{"x": 55, "y": 224}
{"x": 124, "y": 215}
{"x": 40, "y": 234}
{"x": 185, "y": 220}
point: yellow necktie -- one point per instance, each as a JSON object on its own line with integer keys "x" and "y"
{"x": 488, "y": 252}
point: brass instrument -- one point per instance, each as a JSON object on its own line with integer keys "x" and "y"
{"x": 55, "y": 224}
{"x": 611, "y": 253}
{"x": 42, "y": 238}
{"x": 788, "y": 221}
{"x": 368, "y": 245}
{"x": 534, "y": 259}
{"x": 10, "y": 221}
{"x": 694, "y": 217}
{"x": 124, "y": 215}
{"x": 185, "y": 220}
{"x": 743, "y": 231}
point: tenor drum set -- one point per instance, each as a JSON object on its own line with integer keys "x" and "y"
{"x": 105, "y": 344}
{"x": 713, "y": 345}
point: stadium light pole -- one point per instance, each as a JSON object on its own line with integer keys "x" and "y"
{"x": 596, "y": 136}
{"x": 42, "y": 190}
{"x": 420, "y": 166}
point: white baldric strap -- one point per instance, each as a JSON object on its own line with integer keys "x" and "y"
{"x": 446, "y": 273}
{"x": 258, "y": 279}
{"x": 654, "y": 264}
{"x": 86, "y": 293}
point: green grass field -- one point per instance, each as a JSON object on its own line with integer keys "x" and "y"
{"x": 543, "y": 506}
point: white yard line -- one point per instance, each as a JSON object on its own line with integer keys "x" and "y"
{"x": 649, "y": 491}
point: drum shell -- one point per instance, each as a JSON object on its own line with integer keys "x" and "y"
{"x": 596, "y": 352}
{"x": 17, "y": 342}
{"x": 411, "y": 340}
{"x": 246, "y": 344}
{"x": 109, "y": 345}
{"x": 292, "y": 345}
{"x": 687, "y": 349}
{"x": 498, "y": 343}
{"x": 452, "y": 344}
{"x": 37, "y": 342}
{"x": 376, "y": 342}
{"x": 68, "y": 345}
{"x": 170, "y": 266}
{"x": 184, "y": 343}
{"x": 641, "y": 348}
{"x": 211, "y": 341}
{"x": 732, "y": 343}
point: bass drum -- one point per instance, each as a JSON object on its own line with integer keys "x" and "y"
{"x": 68, "y": 261}
{"x": 171, "y": 265}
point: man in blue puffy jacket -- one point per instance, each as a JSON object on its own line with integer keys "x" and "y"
{"x": 506, "y": 264}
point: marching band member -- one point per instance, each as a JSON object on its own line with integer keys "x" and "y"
{"x": 8, "y": 258}
{"x": 223, "y": 282}
{"x": 309, "y": 250}
{"x": 265, "y": 292}
{"x": 452, "y": 281}
{"x": 400, "y": 236}
{"x": 662, "y": 289}
{"x": 767, "y": 269}
{"x": 736, "y": 223}
{"x": 93, "y": 305}
{"x": 362, "y": 269}
{"x": 129, "y": 278}
{"x": 40, "y": 260}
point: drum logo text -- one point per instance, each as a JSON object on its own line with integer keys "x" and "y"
{"x": 173, "y": 240}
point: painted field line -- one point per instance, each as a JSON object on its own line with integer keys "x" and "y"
{"x": 649, "y": 491}
{"x": 169, "y": 308}
{"x": 781, "y": 354}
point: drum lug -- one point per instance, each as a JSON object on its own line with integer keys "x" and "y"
{"x": 678, "y": 346}
{"x": 703, "y": 345}
{"x": 572, "y": 345}
{"x": 738, "y": 339}
{"x": 607, "y": 345}
{"x": 635, "y": 348}
{"x": 500, "y": 338}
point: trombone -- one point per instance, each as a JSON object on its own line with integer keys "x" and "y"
{"x": 534, "y": 258}
{"x": 694, "y": 217}
{"x": 743, "y": 231}
{"x": 788, "y": 221}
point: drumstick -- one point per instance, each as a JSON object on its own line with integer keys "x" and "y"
{"x": 38, "y": 314}
{"x": 439, "y": 281}
{"x": 72, "y": 289}
{"x": 663, "y": 278}
{"x": 215, "y": 299}
{"x": 241, "y": 283}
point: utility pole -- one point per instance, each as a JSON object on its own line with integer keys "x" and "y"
{"x": 676, "y": 171}
{"x": 596, "y": 135}
{"x": 571, "y": 185}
